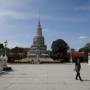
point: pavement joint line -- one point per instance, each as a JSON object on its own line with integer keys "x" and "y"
{"x": 8, "y": 86}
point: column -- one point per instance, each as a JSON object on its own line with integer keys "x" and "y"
{"x": 1, "y": 64}
{"x": 88, "y": 58}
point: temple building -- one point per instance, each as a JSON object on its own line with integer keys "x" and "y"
{"x": 38, "y": 49}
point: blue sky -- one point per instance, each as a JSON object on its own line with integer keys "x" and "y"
{"x": 64, "y": 19}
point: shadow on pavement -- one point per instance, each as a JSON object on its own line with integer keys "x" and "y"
{"x": 6, "y": 72}
{"x": 86, "y": 80}
{"x": 3, "y": 73}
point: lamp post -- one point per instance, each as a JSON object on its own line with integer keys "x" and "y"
{"x": 5, "y": 57}
{"x": 5, "y": 46}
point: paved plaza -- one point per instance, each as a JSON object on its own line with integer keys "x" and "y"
{"x": 44, "y": 77}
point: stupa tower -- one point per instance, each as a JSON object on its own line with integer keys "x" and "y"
{"x": 38, "y": 47}
{"x": 38, "y": 40}
{"x": 39, "y": 29}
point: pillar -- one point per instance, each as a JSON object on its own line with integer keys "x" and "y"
{"x": 88, "y": 58}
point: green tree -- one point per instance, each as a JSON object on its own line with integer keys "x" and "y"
{"x": 72, "y": 50}
{"x": 59, "y": 48}
{"x": 16, "y": 53}
{"x": 85, "y": 49}
{"x": 8, "y": 50}
{"x": 17, "y": 50}
{"x": 1, "y": 46}
{"x": 1, "y": 49}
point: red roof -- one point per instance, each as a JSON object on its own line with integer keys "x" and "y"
{"x": 77, "y": 54}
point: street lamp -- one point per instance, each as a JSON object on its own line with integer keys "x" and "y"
{"x": 5, "y": 46}
{"x": 5, "y": 57}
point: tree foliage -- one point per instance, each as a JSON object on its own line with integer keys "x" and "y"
{"x": 16, "y": 53}
{"x": 72, "y": 50}
{"x": 1, "y": 46}
{"x": 59, "y": 46}
{"x": 1, "y": 49}
{"x": 59, "y": 49}
{"x": 86, "y": 50}
{"x": 17, "y": 50}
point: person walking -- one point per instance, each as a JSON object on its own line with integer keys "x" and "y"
{"x": 77, "y": 69}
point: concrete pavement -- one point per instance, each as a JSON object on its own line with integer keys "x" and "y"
{"x": 45, "y": 77}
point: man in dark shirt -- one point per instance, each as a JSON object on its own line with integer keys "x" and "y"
{"x": 77, "y": 69}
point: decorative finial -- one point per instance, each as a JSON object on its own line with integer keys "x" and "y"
{"x": 39, "y": 24}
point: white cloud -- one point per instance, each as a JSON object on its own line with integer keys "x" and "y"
{"x": 83, "y": 37}
{"x": 83, "y": 40}
{"x": 5, "y": 13}
{"x": 7, "y": 9}
{"x": 16, "y": 9}
{"x": 65, "y": 19}
{"x": 83, "y": 8}
{"x": 14, "y": 2}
